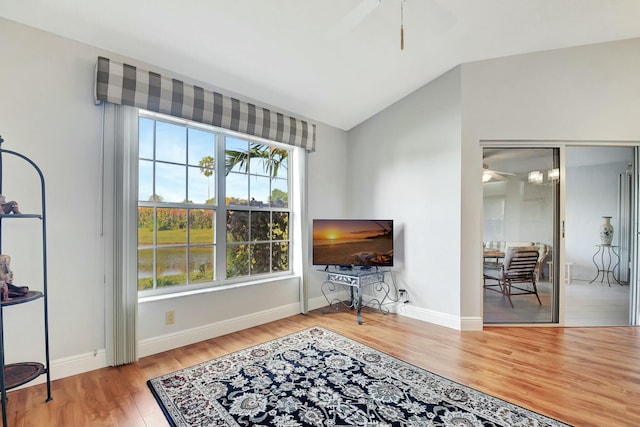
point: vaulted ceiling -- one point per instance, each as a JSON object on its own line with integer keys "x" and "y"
{"x": 332, "y": 61}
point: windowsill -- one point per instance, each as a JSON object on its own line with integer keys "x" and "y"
{"x": 234, "y": 285}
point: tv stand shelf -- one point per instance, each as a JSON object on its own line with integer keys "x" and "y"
{"x": 355, "y": 280}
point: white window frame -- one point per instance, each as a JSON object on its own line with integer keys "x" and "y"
{"x": 220, "y": 213}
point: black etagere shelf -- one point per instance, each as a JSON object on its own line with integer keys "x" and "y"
{"x": 16, "y": 374}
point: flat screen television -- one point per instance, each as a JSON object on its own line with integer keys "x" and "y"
{"x": 353, "y": 242}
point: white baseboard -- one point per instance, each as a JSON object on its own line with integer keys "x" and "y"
{"x": 166, "y": 342}
{"x": 471, "y": 323}
{"x": 78, "y": 364}
{"x": 72, "y": 365}
{"x": 442, "y": 319}
{"x": 319, "y": 302}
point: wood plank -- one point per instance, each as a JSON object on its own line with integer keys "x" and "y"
{"x": 582, "y": 376}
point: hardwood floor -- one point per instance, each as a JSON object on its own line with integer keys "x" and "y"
{"x": 581, "y": 376}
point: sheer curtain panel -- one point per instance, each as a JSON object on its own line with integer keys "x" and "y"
{"x": 120, "y": 168}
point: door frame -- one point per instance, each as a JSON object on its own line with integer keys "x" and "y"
{"x": 556, "y": 273}
{"x": 559, "y": 231}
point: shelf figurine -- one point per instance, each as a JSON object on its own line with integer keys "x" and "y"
{"x": 8, "y": 207}
{"x": 8, "y": 290}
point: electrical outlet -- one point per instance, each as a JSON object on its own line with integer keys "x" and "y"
{"x": 404, "y": 297}
{"x": 170, "y": 317}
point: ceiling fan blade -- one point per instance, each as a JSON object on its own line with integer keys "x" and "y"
{"x": 485, "y": 168}
{"x": 493, "y": 177}
{"x": 489, "y": 175}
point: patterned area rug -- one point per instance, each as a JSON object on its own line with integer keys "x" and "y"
{"x": 319, "y": 378}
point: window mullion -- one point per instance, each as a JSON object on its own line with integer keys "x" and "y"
{"x": 187, "y": 210}
{"x": 155, "y": 211}
{"x": 221, "y": 211}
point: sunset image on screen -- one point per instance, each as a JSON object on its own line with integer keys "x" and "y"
{"x": 352, "y": 242}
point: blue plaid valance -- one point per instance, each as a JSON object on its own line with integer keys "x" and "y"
{"x": 128, "y": 85}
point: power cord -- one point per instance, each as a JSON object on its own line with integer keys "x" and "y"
{"x": 401, "y": 294}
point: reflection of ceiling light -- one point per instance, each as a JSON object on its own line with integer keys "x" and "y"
{"x": 486, "y": 177}
{"x": 553, "y": 174}
{"x": 536, "y": 177}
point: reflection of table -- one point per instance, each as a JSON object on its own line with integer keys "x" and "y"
{"x": 492, "y": 253}
{"x": 603, "y": 258}
{"x": 355, "y": 280}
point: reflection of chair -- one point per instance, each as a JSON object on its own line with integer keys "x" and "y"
{"x": 515, "y": 272}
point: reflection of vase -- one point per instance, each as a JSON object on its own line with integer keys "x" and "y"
{"x": 606, "y": 231}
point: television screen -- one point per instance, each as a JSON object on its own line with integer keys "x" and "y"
{"x": 353, "y": 242}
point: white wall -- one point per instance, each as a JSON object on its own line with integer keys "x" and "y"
{"x": 47, "y": 113}
{"x": 327, "y": 192}
{"x": 404, "y": 164}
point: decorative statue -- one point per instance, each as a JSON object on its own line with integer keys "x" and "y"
{"x": 8, "y": 289}
{"x": 8, "y": 207}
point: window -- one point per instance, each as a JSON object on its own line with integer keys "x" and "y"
{"x": 257, "y": 208}
{"x": 201, "y": 189}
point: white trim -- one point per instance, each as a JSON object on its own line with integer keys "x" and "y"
{"x": 442, "y": 319}
{"x": 71, "y": 365}
{"x": 166, "y": 342}
{"x": 321, "y": 301}
{"x": 634, "y": 290}
{"x": 553, "y": 143}
{"x": 343, "y": 295}
{"x": 301, "y": 235}
{"x": 216, "y": 288}
{"x": 474, "y": 323}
